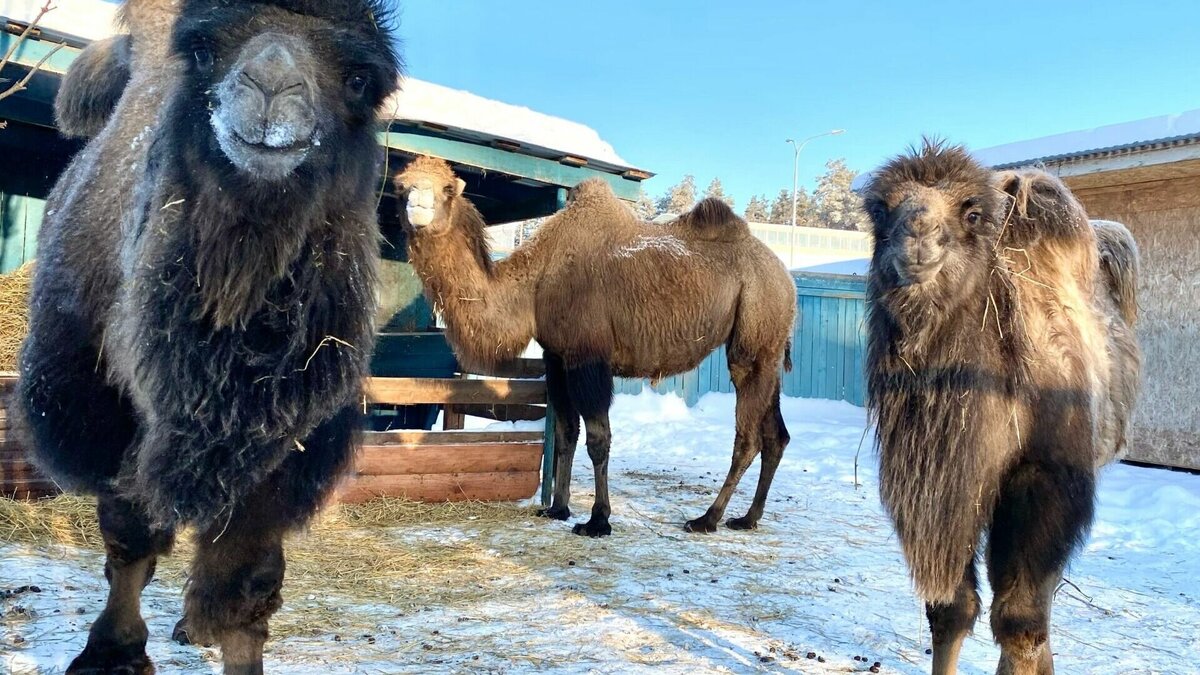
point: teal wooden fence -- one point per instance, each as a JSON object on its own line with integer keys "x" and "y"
{"x": 20, "y": 218}
{"x": 828, "y": 348}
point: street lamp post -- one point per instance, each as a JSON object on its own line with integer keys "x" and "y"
{"x": 798, "y": 147}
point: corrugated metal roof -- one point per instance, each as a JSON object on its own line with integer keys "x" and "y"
{"x": 1114, "y": 139}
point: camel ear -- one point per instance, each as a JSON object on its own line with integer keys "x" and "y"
{"x": 460, "y": 186}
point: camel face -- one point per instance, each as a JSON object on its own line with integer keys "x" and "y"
{"x": 429, "y": 197}
{"x": 280, "y": 89}
{"x": 934, "y": 219}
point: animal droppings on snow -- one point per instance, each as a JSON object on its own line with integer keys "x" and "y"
{"x": 532, "y": 612}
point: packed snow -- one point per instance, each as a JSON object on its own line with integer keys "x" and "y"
{"x": 822, "y": 575}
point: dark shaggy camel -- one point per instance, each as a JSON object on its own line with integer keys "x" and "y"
{"x": 202, "y": 313}
{"x": 1002, "y": 368}
{"x": 606, "y": 294}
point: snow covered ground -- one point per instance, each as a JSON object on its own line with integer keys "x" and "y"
{"x": 823, "y": 575}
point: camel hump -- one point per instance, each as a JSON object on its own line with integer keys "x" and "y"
{"x": 714, "y": 220}
{"x": 1040, "y": 205}
{"x": 1119, "y": 263}
{"x": 592, "y": 188}
{"x": 92, "y": 87}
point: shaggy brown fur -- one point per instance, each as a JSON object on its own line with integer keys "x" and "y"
{"x": 1002, "y": 368}
{"x": 202, "y": 313}
{"x": 606, "y": 294}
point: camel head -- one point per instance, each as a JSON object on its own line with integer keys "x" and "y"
{"x": 936, "y": 214}
{"x": 276, "y": 85}
{"x": 432, "y": 194}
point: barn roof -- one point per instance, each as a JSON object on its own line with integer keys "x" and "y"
{"x": 1155, "y": 133}
{"x": 1152, "y": 142}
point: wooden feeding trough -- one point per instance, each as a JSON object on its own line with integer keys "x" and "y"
{"x": 18, "y": 477}
{"x": 450, "y": 465}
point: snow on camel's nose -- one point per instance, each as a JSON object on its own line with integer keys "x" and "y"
{"x": 420, "y": 204}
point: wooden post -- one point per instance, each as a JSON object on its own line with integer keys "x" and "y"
{"x": 548, "y": 459}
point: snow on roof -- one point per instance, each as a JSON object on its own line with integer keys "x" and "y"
{"x": 419, "y": 102}
{"x": 1180, "y": 129}
{"x": 1184, "y": 127}
{"x": 83, "y": 19}
{"x": 425, "y": 102}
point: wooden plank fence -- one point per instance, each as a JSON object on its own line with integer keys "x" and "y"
{"x": 828, "y": 348}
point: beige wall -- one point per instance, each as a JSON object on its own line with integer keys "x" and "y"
{"x": 1164, "y": 216}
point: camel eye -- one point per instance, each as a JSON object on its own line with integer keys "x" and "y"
{"x": 973, "y": 218}
{"x": 356, "y": 84}
{"x": 204, "y": 58}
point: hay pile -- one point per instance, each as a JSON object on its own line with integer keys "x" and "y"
{"x": 14, "y": 313}
{"x": 352, "y": 554}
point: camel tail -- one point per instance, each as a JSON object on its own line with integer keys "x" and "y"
{"x": 1119, "y": 262}
{"x": 787, "y": 357}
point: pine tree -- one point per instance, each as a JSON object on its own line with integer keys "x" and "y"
{"x": 758, "y": 210}
{"x": 837, "y": 205}
{"x": 679, "y": 199}
{"x": 717, "y": 191}
{"x": 645, "y": 208}
{"x": 781, "y": 209}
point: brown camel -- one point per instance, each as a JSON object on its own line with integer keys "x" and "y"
{"x": 606, "y": 294}
{"x": 1002, "y": 368}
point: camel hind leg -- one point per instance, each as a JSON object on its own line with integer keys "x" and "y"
{"x": 755, "y": 384}
{"x": 774, "y": 439}
{"x": 117, "y": 640}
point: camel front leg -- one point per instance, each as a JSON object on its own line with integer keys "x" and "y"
{"x": 117, "y": 640}
{"x": 599, "y": 441}
{"x": 566, "y": 436}
{"x": 237, "y": 577}
{"x": 1043, "y": 512}
{"x": 950, "y": 624}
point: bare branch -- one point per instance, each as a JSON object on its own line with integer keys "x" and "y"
{"x": 12, "y": 50}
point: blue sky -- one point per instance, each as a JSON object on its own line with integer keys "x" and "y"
{"x": 714, "y": 88}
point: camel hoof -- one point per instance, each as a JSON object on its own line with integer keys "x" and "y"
{"x": 555, "y": 513}
{"x": 112, "y": 660}
{"x": 700, "y": 525}
{"x": 742, "y": 523}
{"x": 593, "y": 529}
{"x": 181, "y": 636}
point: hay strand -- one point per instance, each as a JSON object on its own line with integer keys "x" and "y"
{"x": 14, "y": 313}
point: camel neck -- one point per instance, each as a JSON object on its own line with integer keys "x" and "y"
{"x": 488, "y": 311}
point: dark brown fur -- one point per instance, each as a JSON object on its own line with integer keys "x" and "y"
{"x": 201, "y": 319}
{"x": 1002, "y": 367}
{"x": 606, "y": 294}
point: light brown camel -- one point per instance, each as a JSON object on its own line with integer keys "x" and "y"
{"x": 606, "y": 294}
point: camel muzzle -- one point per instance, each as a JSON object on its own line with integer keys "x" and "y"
{"x": 266, "y": 118}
